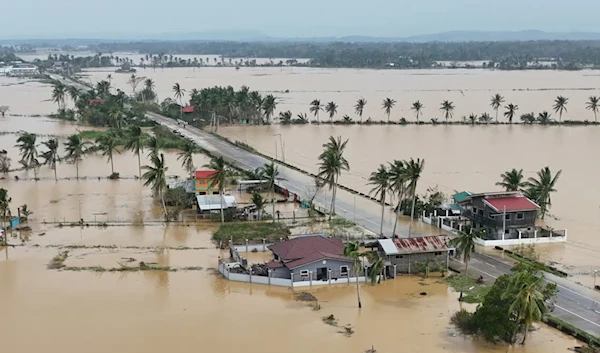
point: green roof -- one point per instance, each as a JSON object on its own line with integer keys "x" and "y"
{"x": 461, "y": 196}
{"x": 454, "y": 207}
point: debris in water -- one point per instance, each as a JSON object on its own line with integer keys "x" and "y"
{"x": 423, "y": 293}
{"x": 330, "y": 320}
{"x": 305, "y": 297}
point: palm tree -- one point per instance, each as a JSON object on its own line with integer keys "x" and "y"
{"x": 360, "y": 107}
{"x": 186, "y": 156}
{"x": 28, "y": 150}
{"x": 397, "y": 175}
{"x": 529, "y": 303}
{"x": 58, "y": 93}
{"x": 465, "y": 244}
{"x": 376, "y": 265}
{"x": 103, "y": 88}
{"x": 5, "y": 209}
{"x": 154, "y": 144}
{"x": 380, "y": 180}
{"x": 496, "y": 102}
{"x": 156, "y": 177}
{"x": 135, "y": 142}
{"x": 116, "y": 115}
{"x": 268, "y": 106}
{"x": 351, "y": 251}
{"x": 179, "y": 93}
{"x": 258, "y": 202}
{"x": 51, "y": 156}
{"x": 413, "y": 174}
{"x": 285, "y": 118}
{"x": 331, "y": 109}
{"x": 76, "y": 148}
{"x": 472, "y": 118}
{"x": 540, "y": 189}
{"x": 593, "y": 104}
{"x": 544, "y": 118}
{"x": 560, "y": 106}
{"x": 485, "y": 118}
{"x": 331, "y": 165}
{"x": 221, "y": 177}
{"x": 270, "y": 174}
{"x": 448, "y": 108}
{"x": 510, "y": 112}
{"x": 316, "y": 108}
{"x": 387, "y": 106}
{"x": 417, "y": 107}
{"x": 107, "y": 144}
{"x": 512, "y": 180}
{"x": 24, "y": 212}
{"x": 73, "y": 93}
{"x": 149, "y": 85}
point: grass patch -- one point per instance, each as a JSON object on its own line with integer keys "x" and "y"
{"x": 58, "y": 261}
{"x": 342, "y": 223}
{"x": 536, "y": 264}
{"x": 253, "y": 231}
{"x": 167, "y": 139}
{"x": 473, "y": 292}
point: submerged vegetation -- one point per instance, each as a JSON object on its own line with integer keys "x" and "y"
{"x": 253, "y": 231}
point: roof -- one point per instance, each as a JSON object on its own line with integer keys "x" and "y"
{"x": 461, "y": 196}
{"x": 205, "y": 173}
{"x": 188, "y": 185}
{"x": 430, "y": 243}
{"x": 213, "y": 202}
{"x": 188, "y": 109}
{"x": 496, "y": 194}
{"x": 308, "y": 249}
{"x": 275, "y": 264}
{"x": 512, "y": 204}
{"x": 96, "y": 101}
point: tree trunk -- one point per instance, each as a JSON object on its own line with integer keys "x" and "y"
{"x": 358, "y": 290}
{"x": 139, "y": 165}
{"x": 496, "y": 115}
{"x": 273, "y": 200}
{"x": 595, "y": 116}
{"x": 222, "y": 214}
{"x": 112, "y": 167}
{"x": 162, "y": 197}
{"x": 525, "y": 334}
{"x": 35, "y": 173}
{"x": 55, "y": 176}
{"x": 412, "y": 211}
{"x": 382, "y": 211}
{"x": 77, "y": 168}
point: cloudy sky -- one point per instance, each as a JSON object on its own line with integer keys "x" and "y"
{"x": 285, "y": 18}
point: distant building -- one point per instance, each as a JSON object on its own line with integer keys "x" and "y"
{"x": 204, "y": 182}
{"x": 404, "y": 254}
{"x": 20, "y": 70}
{"x": 188, "y": 109}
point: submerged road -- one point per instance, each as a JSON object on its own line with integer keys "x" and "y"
{"x": 575, "y": 304}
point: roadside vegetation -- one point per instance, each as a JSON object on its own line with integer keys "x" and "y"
{"x": 253, "y": 231}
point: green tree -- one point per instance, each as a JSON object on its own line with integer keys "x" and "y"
{"x": 285, "y": 118}
{"x": 398, "y": 180}
{"x": 593, "y": 104}
{"x": 541, "y": 189}
{"x": 221, "y": 178}
{"x": 51, "y": 157}
{"x": 107, "y": 144}
{"x": 75, "y": 148}
{"x": 331, "y": 164}
{"x": 5, "y": 201}
{"x": 376, "y": 265}
{"x": 529, "y": 304}
{"x": 134, "y": 141}
{"x": 154, "y": 144}
{"x": 316, "y": 108}
{"x": 544, "y": 118}
{"x": 268, "y": 106}
{"x": 156, "y": 177}
{"x": 116, "y": 116}
{"x": 270, "y": 174}
{"x": 472, "y": 118}
{"x": 149, "y": 86}
{"x": 360, "y": 107}
{"x": 448, "y": 109}
{"x": 380, "y": 180}
{"x": 179, "y": 92}
{"x": 73, "y": 93}
{"x": 25, "y": 212}
{"x": 496, "y": 102}
{"x": 351, "y": 251}
{"x": 258, "y": 202}
{"x": 26, "y": 142}
{"x": 485, "y": 118}
{"x": 417, "y": 107}
{"x": 59, "y": 93}
{"x": 331, "y": 109}
{"x": 413, "y": 174}
{"x": 510, "y": 112}
{"x": 512, "y": 180}
{"x": 465, "y": 244}
{"x": 103, "y": 89}
{"x": 560, "y": 106}
{"x": 387, "y": 106}
{"x": 186, "y": 156}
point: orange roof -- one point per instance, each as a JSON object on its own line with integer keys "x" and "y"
{"x": 202, "y": 174}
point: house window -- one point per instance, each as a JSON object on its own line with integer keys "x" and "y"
{"x": 520, "y": 215}
{"x": 344, "y": 271}
{"x": 474, "y": 210}
{"x": 507, "y": 217}
{"x": 304, "y": 273}
{"x": 215, "y": 193}
{"x": 437, "y": 253}
{"x": 506, "y": 231}
{"x": 399, "y": 256}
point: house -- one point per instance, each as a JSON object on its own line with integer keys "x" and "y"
{"x": 503, "y": 215}
{"x": 402, "y": 255}
{"x": 204, "y": 183}
{"x": 188, "y": 185}
{"x": 188, "y": 109}
{"x": 310, "y": 257}
{"x": 209, "y": 203}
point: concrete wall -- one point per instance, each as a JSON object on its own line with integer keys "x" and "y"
{"x": 282, "y": 272}
{"x": 407, "y": 263}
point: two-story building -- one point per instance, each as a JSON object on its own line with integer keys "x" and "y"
{"x": 204, "y": 183}
{"x": 503, "y": 215}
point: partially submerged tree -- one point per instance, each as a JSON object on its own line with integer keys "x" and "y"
{"x": 351, "y": 250}
{"x": 76, "y": 148}
{"x": 51, "y": 157}
{"x": 512, "y": 180}
{"x": 156, "y": 177}
{"x": 26, "y": 142}
{"x": 331, "y": 165}
{"x": 3, "y": 109}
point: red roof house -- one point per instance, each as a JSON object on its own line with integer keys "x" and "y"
{"x": 188, "y": 109}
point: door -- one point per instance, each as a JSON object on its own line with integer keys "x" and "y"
{"x": 322, "y": 274}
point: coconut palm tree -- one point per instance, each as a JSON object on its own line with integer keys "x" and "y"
{"x": 544, "y": 118}
{"x": 316, "y": 108}
{"x": 496, "y": 102}
{"x": 540, "y": 189}
{"x": 593, "y": 104}
{"x": 376, "y": 265}
{"x": 270, "y": 174}
{"x": 360, "y": 107}
{"x": 380, "y": 180}
{"x": 560, "y": 106}
{"x": 331, "y": 164}
{"x": 351, "y": 251}
{"x": 103, "y": 89}
{"x": 179, "y": 93}
{"x": 156, "y": 177}
{"x": 220, "y": 178}
{"x": 268, "y": 106}
{"x": 186, "y": 156}
{"x": 134, "y": 142}
{"x": 512, "y": 180}
{"x": 76, "y": 148}
{"x": 154, "y": 144}
{"x": 465, "y": 244}
{"x": 485, "y": 118}
{"x": 413, "y": 174}
{"x": 258, "y": 202}
{"x": 25, "y": 212}
{"x": 448, "y": 109}
{"x": 387, "y": 106}
{"x": 149, "y": 85}
{"x": 285, "y": 118}
{"x": 116, "y": 116}
{"x": 417, "y": 107}
{"x": 51, "y": 157}
{"x": 397, "y": 175}
{"x": 5, "y": 201}
{"x": 73, "y": 93}
{"x": 510, "y": 112}
{"x": 529, "y": 303}
{"x": 26, "y": 142}
{"x": 472, "y": 118}
{"x": 58, "y": 94}
{"x": 331, "y": 109}
{"x": 107, "y": 144}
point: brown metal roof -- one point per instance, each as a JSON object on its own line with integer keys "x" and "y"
{"x": 421, "y": 244}
{"x": 307, "y": 249}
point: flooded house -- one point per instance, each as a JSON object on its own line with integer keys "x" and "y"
{"x": 403, "y": 255}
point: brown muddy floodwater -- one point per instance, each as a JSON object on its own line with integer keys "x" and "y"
{"x": 187, "y": 311}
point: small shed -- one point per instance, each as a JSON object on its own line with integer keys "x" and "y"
{"x": 404, "y": 254}
{"x": 209, "y": 203}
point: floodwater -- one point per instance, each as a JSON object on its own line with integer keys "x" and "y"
{"x": 156, "y": 311}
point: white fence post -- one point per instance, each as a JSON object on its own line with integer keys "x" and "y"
{"x": 310, "y": 277}
{"x": 395, "y": 271}
{"x": 329, "y": 275}
{"x": 246, "y": 245}
{"x": 269, "y": 271}
{"x": 264, "y": 246}
{"x": 292, "y": 279}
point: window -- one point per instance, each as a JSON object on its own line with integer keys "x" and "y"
{"x": 520, "y": 215}
{"x": 344, "y": 271}
{"x": 507, "y": 217}
{"x": 474, "y": 210}
{"x": 304, "y": 273}
{"x": 506, "y": 231}
{"x": 437, "y": 253}
{"x": 215, "y": 193}
{"x": 399, "y": 256}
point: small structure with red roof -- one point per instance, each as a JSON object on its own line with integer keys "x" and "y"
{"x": 188, "y": 109}
{"x": 407, "y": 255}
{"x": 204, "y": 182}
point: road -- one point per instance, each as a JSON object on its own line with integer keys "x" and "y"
{"x": 575, "y": 304}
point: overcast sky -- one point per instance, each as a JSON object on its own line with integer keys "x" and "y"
{"x": 285, "y": 18}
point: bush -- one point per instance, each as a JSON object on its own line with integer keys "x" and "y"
{"x": 463, "y": 320}
{"x": 114, "y": 175}
{"x": 253, "y": 231}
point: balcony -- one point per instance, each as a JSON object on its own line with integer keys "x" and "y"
{"x": 497, "y": 222}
